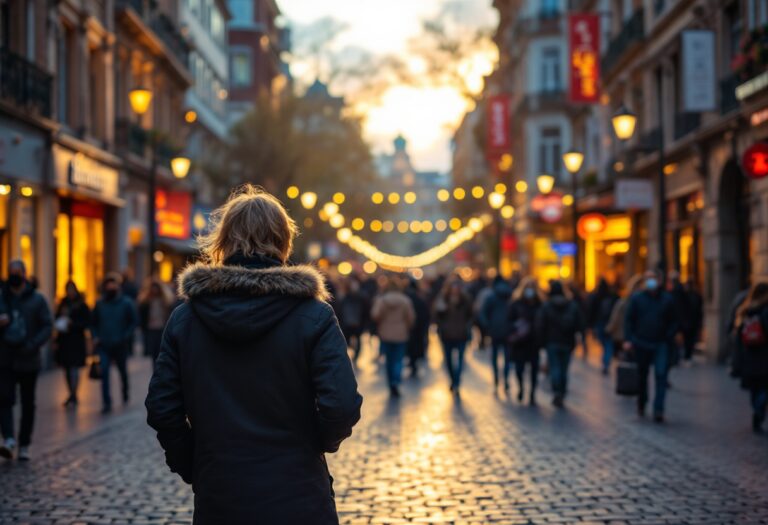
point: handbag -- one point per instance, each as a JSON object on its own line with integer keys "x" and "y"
{"x": 94, "y": 371}
{"x": 627, "y": 379}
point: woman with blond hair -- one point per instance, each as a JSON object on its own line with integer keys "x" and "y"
{"x": 751, "y": 359}
{"x": 253, "y": 384}
{"x": 524, "y": 345}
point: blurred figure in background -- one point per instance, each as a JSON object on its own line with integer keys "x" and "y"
{"x": 650, "y": 326}
{"x": 417, "y": 344}
{"x": 558, "y": 322}
{"x": 494, "y": 318}
{"x": 394, "y": 316}
{"x": 483, "y": 289}
{"x": 526, "y": 301}
{"x": 750, "y": 362}
{"x": 600, "y": 306}
{"x": 692, "y": 335}
{"x": 353, "y": 307}
{"x": 130, "y": 290}
{"x": 615, "y": 326}
{"x": 73, "y": 317}
{"x": 454, "y": 314}
{"x": 156, "y": 303}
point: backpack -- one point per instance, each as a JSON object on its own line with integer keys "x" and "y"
{"x": 16, "y": 332}
{"x": 753, "y": 332}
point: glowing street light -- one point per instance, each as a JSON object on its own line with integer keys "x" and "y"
{"x": 308, "y": 200}
{"x": 573, "y": 160}
{"x": 180, "y": 167}
{"x": 331, "y": 209}
{"x": 496, "y": 200}
{"x": 507, "y": 211}
{"x": 545, "y": 183}
{"x": 624, "y": 122}
{"x": 140, "y": 99}
{"x": 292, "y": 192}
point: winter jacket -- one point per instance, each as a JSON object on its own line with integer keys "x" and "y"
{"x": 353, "y": 310}
{"x": 751, "y": 362}
{"x": 615, "y": 326}
{"x": 494, "y": 315}
{"x": 454, "y": 320}
{"x": 650, "y": 320}
{"x": 394, "y": 316}
{"x": 113, "y": 321}
{"x": 32, "y": 308}
{"x": 524, "y": 312}
{"x": 71, "y": 344}
{"x": 252, "y": 387}
{"x": 558, "y": 321}
{"x": 417, "y": 343}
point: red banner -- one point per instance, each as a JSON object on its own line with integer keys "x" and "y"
{"x": 173, "y": 214}
{"x": 498, "y": 139}
{"x": 584, "y": 57}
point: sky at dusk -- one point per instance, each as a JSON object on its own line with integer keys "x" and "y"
{"x": 425, "y": 115}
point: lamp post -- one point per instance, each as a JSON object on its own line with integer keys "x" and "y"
{"x": 573, "y": 161}
{"x": 140, "y": 99}
{"x": 545, "y": 183}
{"x": 624, "y": 123}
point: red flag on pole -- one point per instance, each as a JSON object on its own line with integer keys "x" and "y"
{"x": 499, "y": 140}
{"x": 584, "y": 57}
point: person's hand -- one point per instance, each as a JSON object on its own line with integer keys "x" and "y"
{"x": 627, "y": 346}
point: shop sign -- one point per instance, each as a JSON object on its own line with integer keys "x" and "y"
{"x": 754, "y": 162}
{"x": 758, "y": 117}
{"x": 549, "y": 207}
{"x": 563, "y": 249}
{"x": 77, "y": 170}
{"x": 584, "y": 57}
{"x": 498, "y": 135}
{"x": 633, "y": 194}
{"x": 752, "y": 86}
{"x": 591, "y": 224}
{"x": 173, "y": 214}
{"x": 698, "y": 70}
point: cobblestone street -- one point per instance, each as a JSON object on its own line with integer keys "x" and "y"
{"x": 430, "y": 459}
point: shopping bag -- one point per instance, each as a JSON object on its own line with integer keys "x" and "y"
{"x": 627, "y": 378}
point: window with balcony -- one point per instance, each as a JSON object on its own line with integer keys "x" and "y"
{"x": 550, "y": 151}
{"x": 550, "y": 80}
{"x": 240, "y": 68}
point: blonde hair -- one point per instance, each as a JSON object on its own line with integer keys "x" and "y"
{"x": 251, "y": 222}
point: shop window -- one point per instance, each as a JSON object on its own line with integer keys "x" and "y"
{"x": 80, "y": 250}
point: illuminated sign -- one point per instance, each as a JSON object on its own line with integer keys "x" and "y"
{"x": 758, "y": 117}
{"x": 498, "y": 140}
{"x": 755, "y": 161}
{"x": 549, "y": 207}
{"x": 584, "y": 55}
{"x": 590, "y": 224}
{"x": 173, "y": 214}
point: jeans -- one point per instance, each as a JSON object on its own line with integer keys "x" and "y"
{"x": 393, "y": 353}
{"x": 520, "y": 372}
{"x": 759, "y": 398}
{"x": 27, "y": 382}
{"x": 454, "y": 366}
{"x": 559, "y": 360}
{"x": 657, "y": 357}
{"x": 606, "y": 341}
{"x": 500, "y": 346}
{"x": 119, "y": 355}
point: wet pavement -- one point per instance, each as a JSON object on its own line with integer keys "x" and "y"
{"x": 432, "y": 458}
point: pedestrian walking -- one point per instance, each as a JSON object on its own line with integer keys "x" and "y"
{"x": 558, "y": 322}
{"x": 495, "y": 318}
{"x": 156, "y": 302}
{"x": 394, "y": 316}
{"x": 112, "y": 325}
{"x": 650, "y": 326}
{"x": 692, "y": 335}
{"x": 751, "y": 359}
{"x": 480, "y": 290}
{"x": 419, "y": 339}
{"x": 26, "y": 325}
{"x": 253, "y": 384}
{"x": 130, "y": 290}
{"x": 615, "y": 326}
{"x": 353, "y": 310}
{"x": 454, "y": 313}
{"x": 524, "y": 344}
{"x": 599, "y": 308}
{"x": 73, "y": 317}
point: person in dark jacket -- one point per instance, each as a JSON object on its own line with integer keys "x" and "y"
{"x": 751, "y": 359}
{"x": 650, "y": 325}
{"x": 600, "y": 306}
{"x": 112, "y": 325}
{"x": 494, "y": 318}
{"x": 73, "y": 317}
{"x": 558, "y": 322}
{"x": 692, "y": 335}
{"x": 156, "y": 303}
{"x": 26, "y": 326}
{"x": 454, "y": 314}
{"x": 253, "y": 385}
{"x": 353, "y": 310}
{"x": 524, "y": 345}
{"x": 417, "y": 343}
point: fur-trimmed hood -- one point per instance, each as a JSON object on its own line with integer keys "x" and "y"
{"x": 295, "y": 281}
{"x": 239, "y": 303}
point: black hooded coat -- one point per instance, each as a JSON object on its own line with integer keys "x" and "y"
{"x": 252, "y": 387}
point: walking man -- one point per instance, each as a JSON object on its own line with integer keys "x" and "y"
{"x": 26, "y": 324}
{"x": 649, "y": 331}
{"x": 394, "y": 317}
{"x": 114, "y": 320}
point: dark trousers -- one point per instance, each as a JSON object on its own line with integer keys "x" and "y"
{"x": 394, "y": 353}
{"x": 690, "y": 338}
{"x": 118, "y": 355}
{"x": 353, "y": 336}
{"x": 759, "y": 399}
{"x": 520, "y": 372}
{"x": 500, "y": 346}
{"x": 27, "y": 382}
{"x": 658, "y": 358}
{"x": 559, "y": 361}
{"x": 72, "y": 377}
{"x": 454, "y": 366}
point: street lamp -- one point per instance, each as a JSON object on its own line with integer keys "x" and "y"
{"x": 624, "y": 122}
{"x": 545, "y": 183}
{"x": 496, "y": 200}
{"x": 573, "y": 161}
{"x": 140, "y": 99}
{"x": 180, "y": 167}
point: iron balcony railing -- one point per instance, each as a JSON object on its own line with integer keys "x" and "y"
{"x": 24, "y": 84}
{"x": 632, "y": 32}
{"x": 132, "y": 138}
{"x": 686, "y": 123}
{"x": 542, "y": 101}
{"x": 161, "y": 24}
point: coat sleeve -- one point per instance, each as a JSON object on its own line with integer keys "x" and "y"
{"x": 44, "y": 324}
{"x": 629, "y": 320}
{"x": 132, "y": 320}
{"x": 540, "y": 325}
{"x": 337, "y": 399}
{"x": 165, "y": 407}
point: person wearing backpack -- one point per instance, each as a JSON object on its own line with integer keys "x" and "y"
{"x": 751, "y": 360}
{"x": 558, "y": 322}
{"x": 650, "y": 326}
{"x": 26, "y": 326}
